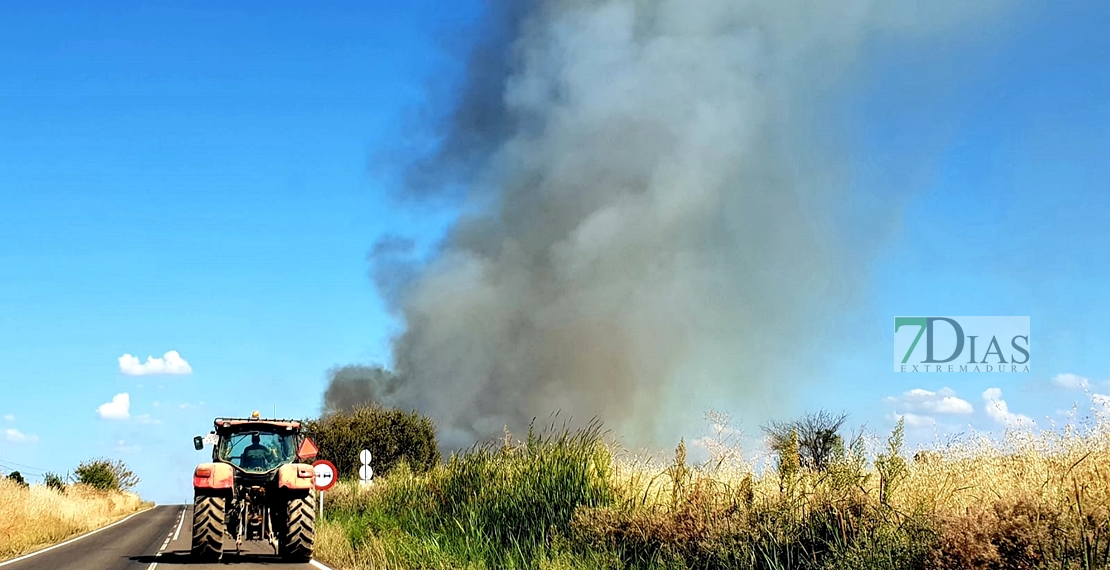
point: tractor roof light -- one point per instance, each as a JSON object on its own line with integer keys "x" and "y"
{"x": 255, "y": 415}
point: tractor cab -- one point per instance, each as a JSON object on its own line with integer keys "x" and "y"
{"x": 256, "y": 445}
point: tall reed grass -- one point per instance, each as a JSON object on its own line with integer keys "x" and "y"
{"x": 1028, "y": 500}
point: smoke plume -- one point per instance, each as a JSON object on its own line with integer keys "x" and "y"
{"x": 655, "y": 220}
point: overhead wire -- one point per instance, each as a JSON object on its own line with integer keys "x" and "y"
{"x": 23, "y": 469}
{"x": 21, "y": 465}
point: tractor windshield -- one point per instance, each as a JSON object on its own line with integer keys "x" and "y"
{"x": 257, "y": 451}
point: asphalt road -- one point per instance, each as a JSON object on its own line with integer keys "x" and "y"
{"x": 152, "y": 539}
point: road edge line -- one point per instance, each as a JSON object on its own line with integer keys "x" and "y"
{"x": 76, "y": 538}
{"x": 318, "y": 564}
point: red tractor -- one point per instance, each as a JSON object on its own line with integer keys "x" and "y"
{"x": 257, "y": 488}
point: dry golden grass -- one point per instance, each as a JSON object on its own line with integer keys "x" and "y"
{"x": 1065, "y": 467}
{"x": 1030, "y": 498}
{"x": 37, "y": 516}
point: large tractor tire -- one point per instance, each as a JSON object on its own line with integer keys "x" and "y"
{"x": 300, "y": 528}
{"x": 209, "y": 524}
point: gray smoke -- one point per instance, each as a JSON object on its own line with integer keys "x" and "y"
{"x": 655, "y": 218}
{"x": 355, "y": 385}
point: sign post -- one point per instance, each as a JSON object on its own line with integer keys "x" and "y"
{"x": 365, "y": 472}
{"x": 324, "y": 479}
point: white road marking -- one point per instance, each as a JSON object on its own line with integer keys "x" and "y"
{"x": 169, "y": 537}
{"x": 162, "y": 549}
{"x": 86, "y": 535}
{"x": 179, "y": 523}
{"x": 317, "y": 564}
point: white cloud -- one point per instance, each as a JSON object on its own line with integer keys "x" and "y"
{"x": 118, "y": 409}
{"x": 1000, "y": 412}
{"x": 9, "y": 417}
{"x": 12, "y": 435}
{"x": 1071, "y": 381}
{"x": 170, "y": 363}
{"x": 943, "y": 401}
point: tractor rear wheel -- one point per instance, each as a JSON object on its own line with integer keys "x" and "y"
{"x": 209, "y": 522}
{"x": 300, "y": 528}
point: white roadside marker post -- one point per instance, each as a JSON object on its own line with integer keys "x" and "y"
{"x": 365, "y": 472}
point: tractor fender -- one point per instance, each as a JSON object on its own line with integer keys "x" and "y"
{"x": 213, "y": 476}
{"x": 296, "y": 476}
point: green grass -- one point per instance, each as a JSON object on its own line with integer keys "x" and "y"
{"x": 499, "y": 505}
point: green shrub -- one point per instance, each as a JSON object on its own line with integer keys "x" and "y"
{"x": 106, "y": 475}
{"x": 53, "y": 481}
{"x": 392, "y": 436}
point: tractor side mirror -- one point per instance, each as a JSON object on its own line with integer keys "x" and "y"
{"x": 198, "y": 442}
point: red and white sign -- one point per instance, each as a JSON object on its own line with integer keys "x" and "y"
{"x": 325, "y": 474}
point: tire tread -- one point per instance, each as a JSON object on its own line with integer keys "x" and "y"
{"x": 209, "y": 522}
{"x": 300, "y": 533}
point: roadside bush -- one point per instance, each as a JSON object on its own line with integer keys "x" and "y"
{"x": 106, "y": 475}
{"x": 17, "y": 477}
{"x": 392, "y": 436}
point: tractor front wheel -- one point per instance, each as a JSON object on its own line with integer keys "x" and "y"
{"x": 300, "y": 528}
{"x": 209, "y": 522}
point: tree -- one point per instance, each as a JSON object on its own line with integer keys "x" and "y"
{"x": 18, "y": 478}
{"x": 106, "y": 475}
{"x": 815, "y": 435}
{"x": 391, "y": 435}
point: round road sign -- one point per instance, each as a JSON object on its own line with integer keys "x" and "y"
{"x": 366, "y": 472}
{"x": 325, "y": 474}
{"x": 365, "y": 456}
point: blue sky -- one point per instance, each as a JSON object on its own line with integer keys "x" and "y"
{"x": 195, "y": 179}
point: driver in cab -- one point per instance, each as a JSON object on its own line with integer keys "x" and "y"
{"x": 256, "y": 455}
